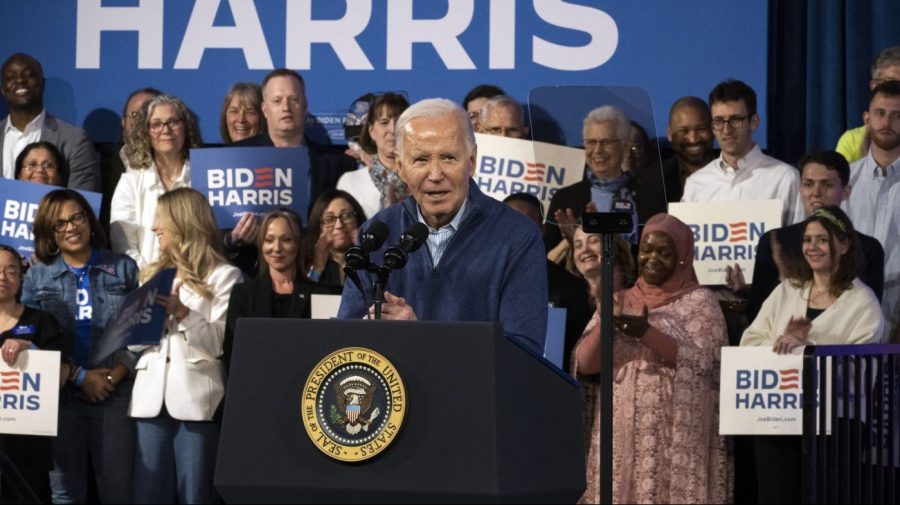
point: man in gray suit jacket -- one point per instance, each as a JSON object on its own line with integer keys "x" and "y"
{"x": 23, "y": 88}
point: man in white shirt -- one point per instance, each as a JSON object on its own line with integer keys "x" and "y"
{"x": 874, "y": 203}
{"x": 742, "y": 171}
{"x": 23, "y": 88}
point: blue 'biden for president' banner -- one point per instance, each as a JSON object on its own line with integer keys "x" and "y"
{"x": 237, "y": 180}
{"x": 20, "y": 205}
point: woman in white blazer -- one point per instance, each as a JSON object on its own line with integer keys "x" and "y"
{"x": 181, "y": 382}
{"x": 823, "y": 302}
{"x": 157, "y": 154}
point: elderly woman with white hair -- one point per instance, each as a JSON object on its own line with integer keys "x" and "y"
{"x": 606, "y": 187}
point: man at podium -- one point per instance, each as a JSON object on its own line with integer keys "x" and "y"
{"x": 481, "y": 260}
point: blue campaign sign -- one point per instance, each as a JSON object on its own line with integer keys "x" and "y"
{"x": 140, "y": 320}
{"x": 20, "y": 205}
{"x": 95, "y": 52}
{"x": 237, "y": 180}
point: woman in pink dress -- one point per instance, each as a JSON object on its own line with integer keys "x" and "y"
{"x": 668, "y": 332}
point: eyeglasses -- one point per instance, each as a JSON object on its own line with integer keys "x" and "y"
{"x": 347, "y": 217}
{"x": 604, "y": 144}
{"x": 172, "y": 123}
{"x": 47, "y": 166}
{"x": 76, "y": 220}
{"x": 11, "y": 272}
{"x": 734, "y": 121}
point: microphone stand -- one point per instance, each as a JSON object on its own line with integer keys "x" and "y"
{"x": 381, "y": 278}
{"x": 606, "y": 366}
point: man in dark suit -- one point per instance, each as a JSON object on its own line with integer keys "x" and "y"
{"x": 824, "y": 181}
{"x": 691, "y": 136}
{"x": 23, "y": 88}
{"x": 606, "y": 140}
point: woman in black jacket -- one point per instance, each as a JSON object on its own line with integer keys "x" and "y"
{"x": 282, "y": 289}
{"x": 21, "y": 329}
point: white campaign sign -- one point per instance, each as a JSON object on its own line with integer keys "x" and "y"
{"x": 726, "y": 233}
{"x": 29, "y": 394}
{"x": 760, "y": 392}
{"x": 506, "y": 166}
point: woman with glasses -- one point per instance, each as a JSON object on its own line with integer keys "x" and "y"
{"x": 334, "y": 221}
{"x": 83, "y": 286}
{"x": 24, "y": 328}
{"x": 378, "y": 186}
{"x": 180, "y": 382}
{"x": 157, "y": 152}
{"x": 42, "y": 163}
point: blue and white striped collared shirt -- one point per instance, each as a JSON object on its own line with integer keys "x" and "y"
{"x": 438, "y": 239}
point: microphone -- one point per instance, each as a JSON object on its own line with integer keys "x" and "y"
{"x": 357, "y": 257}
{"x": 396, "y": 257}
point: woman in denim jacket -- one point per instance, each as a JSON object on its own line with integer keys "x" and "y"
{"x": 83, "y": 287}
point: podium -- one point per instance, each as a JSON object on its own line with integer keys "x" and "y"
{"x": 486, "y": 421}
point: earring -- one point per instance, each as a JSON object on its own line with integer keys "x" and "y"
{"x": 54, "y": 253}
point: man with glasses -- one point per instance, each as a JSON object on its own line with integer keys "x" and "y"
{"x": 22, "y": 80}
{"x": 503, "y": 116}
{"x": 605, "y": 187}
{"x": 742, "y": 171}
{"x": 475, "y": 99}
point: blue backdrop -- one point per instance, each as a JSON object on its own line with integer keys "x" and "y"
{"x": 669, "y": 48}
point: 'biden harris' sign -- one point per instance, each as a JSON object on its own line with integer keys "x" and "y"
{"x": 251, "y": 179}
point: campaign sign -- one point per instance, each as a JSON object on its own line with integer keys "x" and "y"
{"x": 30, "y": 394}
{"x": 20, "y": 204}
{"x": 506, "y": 166}
{"x": 237, "y": 180}
{"x": 761, "y": 392}
{"x": 726, "y": 233}
{"x": 140, "y": 320}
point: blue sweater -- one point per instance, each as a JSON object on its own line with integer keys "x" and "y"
{"x": 494, "y": 269}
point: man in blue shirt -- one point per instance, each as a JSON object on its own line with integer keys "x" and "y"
{"x": 482, "y": 261}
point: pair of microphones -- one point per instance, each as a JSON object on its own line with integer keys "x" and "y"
{"x": 395, "y": 257}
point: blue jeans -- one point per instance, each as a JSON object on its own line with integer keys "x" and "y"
{"x": 175, "y": 461}
{"x": 101, "y": 435}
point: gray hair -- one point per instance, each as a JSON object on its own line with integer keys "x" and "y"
{"x": 889, "y": 57}
{"x": 503, "y": 101}
{"x": 434, "y": 108}
{"x": 606, "y": 114}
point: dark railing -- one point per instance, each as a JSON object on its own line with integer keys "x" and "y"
{"x": 851, "y": 424}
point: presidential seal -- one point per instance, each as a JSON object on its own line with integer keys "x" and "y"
{"x": 353, "y": 404}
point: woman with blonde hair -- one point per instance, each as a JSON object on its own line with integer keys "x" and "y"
{"x": 181, "y": 382}
{"x": 157, "y": 154}
{"x": 241, "y": 117}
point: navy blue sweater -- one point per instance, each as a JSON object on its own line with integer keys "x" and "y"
{"x": 493, "y": 269}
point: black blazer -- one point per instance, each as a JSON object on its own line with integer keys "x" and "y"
{"x": 254, "y": 298}
{"x": 765, "y": 273}
{"x": 35, "y": 454}
{"x": 649, "y": 197}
